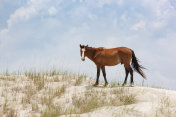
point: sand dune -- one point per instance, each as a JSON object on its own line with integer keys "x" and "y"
{"x": 52, "y": 95}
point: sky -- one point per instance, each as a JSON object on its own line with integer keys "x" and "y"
{"x": 42, "y": 34}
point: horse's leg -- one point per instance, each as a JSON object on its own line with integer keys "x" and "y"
{"x": 127, "y": 72}
{"x": 104, "y": 75}
{"x": 131, "y": 73}
{"x": 98, "y": 74}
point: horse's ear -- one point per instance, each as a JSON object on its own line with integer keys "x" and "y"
{"x": 80, "y": 46}
{"x": 86, "y": 46}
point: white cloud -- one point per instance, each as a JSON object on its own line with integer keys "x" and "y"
{"x": 159, "y": 24}
{"x": 32, "y": 9}
{"x": 52, "y": 10}
{"x": 22, "y": 14}
{"x": 82, "y": 12}
{"x": 161, "y": 12}
{"x": 139, "y": 26}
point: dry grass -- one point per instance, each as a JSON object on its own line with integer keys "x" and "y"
{"x": 164, "y": 109}
{"x": 94, "y": 99}
{"x": 35, "y": 107}
{"x": 59, "y": 91}
{"x": 37, "y": 78}
{"x": 80, "y": 79}
{"x": 29, "y": 90}
{"x": 43, "y": 92}
{"x": 8, "y": 111}
{"x": 52, "y": 111}
{"x": 112, "y": 85}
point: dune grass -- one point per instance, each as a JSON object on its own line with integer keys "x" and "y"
{"x": 7, "y": 111}
{"x": 89, "y": 101}
{"x": 164, "y": 108}
{"x": 94, "y": 99}
{"x": 40, "y": 90}
{"x": 80, "y": 79}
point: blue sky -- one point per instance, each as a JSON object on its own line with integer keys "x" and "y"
{"x": 45, "y": 33}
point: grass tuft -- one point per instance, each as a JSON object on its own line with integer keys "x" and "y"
{"x": 80, "y": 79}
{"x": 52, "y": 111}
{"x": 94, "y": 99}
{"x": 60, "y": 91}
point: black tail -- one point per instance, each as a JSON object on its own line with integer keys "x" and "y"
{"x": 138, "y": 68}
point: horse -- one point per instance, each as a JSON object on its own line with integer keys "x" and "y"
{"x": 110, "y": 57}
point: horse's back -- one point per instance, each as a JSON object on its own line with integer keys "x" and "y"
{"x": 116, "y": 50}
{"x": 124, "y": 50}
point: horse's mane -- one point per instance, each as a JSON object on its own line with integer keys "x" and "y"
{"x": 93, "y": 48}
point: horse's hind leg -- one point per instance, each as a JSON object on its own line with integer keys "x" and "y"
{"x": 104, "y": 75}
{"x": 127, "y": 70}
{"x": 131, "y": 73}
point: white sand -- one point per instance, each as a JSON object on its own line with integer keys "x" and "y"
{"x": 150, "y": 102}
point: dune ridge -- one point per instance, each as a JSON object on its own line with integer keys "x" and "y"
{"x": 54, "y": 95}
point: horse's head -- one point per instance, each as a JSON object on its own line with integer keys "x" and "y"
{"x": 83, "y": 50}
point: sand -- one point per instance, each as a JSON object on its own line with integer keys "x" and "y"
{"x": 21, "y": 97}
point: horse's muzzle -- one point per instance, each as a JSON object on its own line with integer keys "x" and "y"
{"x": 83, "y": 59}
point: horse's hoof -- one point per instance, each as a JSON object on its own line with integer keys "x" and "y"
{"x": 105, "y": 84}
{"x": 132, "y": 85}
{"x": 95, "y": 84}
{"x": 123, "y": 84}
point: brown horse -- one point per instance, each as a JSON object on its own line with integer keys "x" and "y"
{"x": 109, "y": 57}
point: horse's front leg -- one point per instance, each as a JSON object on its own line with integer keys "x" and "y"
{"x": 98, "y": 74}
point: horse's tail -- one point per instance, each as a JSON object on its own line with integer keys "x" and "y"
{"x": 135, "y": 64}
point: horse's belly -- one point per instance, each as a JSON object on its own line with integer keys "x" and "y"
{"x": 110, "y": 61}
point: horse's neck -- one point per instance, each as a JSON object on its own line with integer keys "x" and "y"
{"x": 90, "y": 54}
